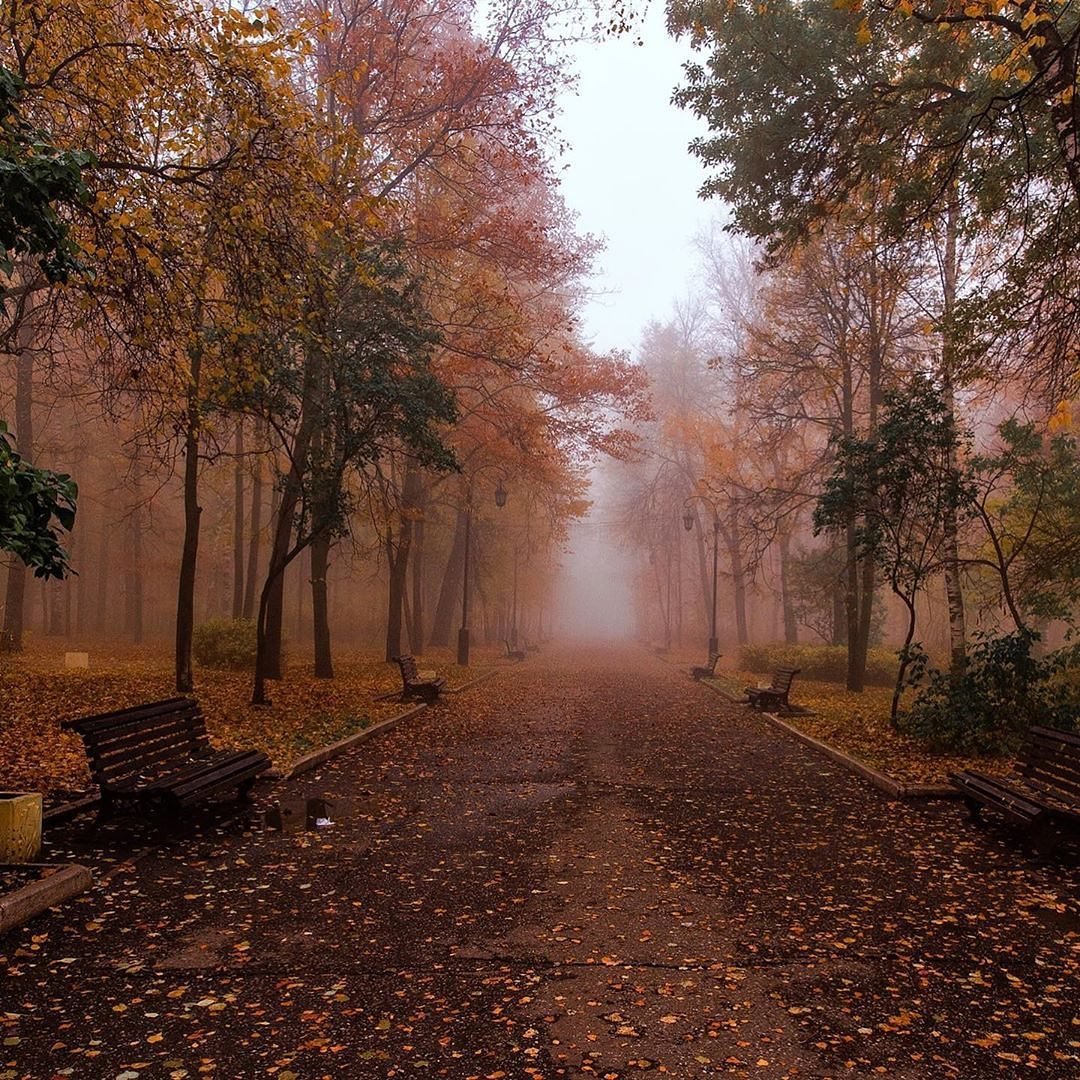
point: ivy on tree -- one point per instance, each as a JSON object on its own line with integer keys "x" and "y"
{"x": 901, "y": 483}
{"x": 35, "y": 178}
{"x": 35, "y": 505}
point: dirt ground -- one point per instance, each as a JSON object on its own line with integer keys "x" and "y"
{"x": 587, "y": 866}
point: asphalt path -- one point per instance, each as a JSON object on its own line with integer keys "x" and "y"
{"x": 587, "y": 866}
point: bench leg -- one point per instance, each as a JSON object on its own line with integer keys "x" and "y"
{"x": 106, "y": 809}
{"x": 1044, "y": 836}
{"x": 243, "y": 793}
{"x": 974, "y": 809}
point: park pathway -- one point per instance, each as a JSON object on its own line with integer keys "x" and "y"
{"x": 588, "y": 866}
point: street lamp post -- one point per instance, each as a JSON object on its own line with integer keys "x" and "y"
{"x": 688, "y": 523}
{"x": 463, "y": 632}
{"x": 513, "y": 607}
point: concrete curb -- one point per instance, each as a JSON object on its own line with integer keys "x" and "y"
{"x": 716, "y": 688}
{"x": 473, "y": 682}
{"x": 69, "y": 810}
{"x": 318, "y": 757}
{"x": 23, "y": 904}
{"x": 893, "y": 788}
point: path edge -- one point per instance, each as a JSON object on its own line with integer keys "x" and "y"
{"x": 24, "y": 904}
{"x": 333, "y": 750}
{"x": 895, "y": 789}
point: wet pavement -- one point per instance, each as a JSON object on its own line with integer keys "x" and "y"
{"x": 589, "y": 866}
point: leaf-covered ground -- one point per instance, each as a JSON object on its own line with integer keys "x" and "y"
{"x": 857, "y": 724}
{"x": 37, "y": 693}
{"x": 592, "y": 867}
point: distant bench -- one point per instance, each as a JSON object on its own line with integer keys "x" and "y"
{"x": 1045, "y": 801}
{"x": 159, "y": 754}
{"x": 425, "y": 685}
{"x": 513, "y": 653}
{"x": 775, "y": 695}
{"x": 706, "y": 671}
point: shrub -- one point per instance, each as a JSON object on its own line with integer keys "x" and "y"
{"x": 1002, "y": 693}
{"x": 825, "y": 662}
{"x": 225, "y": 643}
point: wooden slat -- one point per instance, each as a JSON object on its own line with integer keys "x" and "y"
{"x": 224, "y": 783}
{"x": 151, "y": 762}
{"x": 249, "y": 762}
{"x": 115, "y": 741}
{"x": 1051, "y": 765}
{"x": 989, "y": 791}
{"x": 104, "y": 720}
{"x": 1069, "y": 738}
{"x": 192, "y": 770}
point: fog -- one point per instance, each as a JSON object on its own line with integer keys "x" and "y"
{"x": 595, "y": 588}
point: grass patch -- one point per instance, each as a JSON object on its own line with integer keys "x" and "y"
{"x": 858, "y": 724}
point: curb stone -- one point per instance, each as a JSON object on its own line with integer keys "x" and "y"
{"x": 473, "y": 682}
{"x": 318, "y": 757}
{"x": 893, "y": 788}
{"x": 23, "y": 904}
{"x": 333, "y": 750}
{"x": 68, "y": 810}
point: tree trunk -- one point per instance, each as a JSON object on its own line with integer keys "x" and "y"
{"x": 398, "y": 558}
{"x": 450, "y": 590}
{"x": 69, "y": 593}
{"x": 15, "y": 600}
{"x": 738, "y": 580}
{"x": 320, "y": 611}
{"x": 272, "y": 598}
{"x": 255, "y": 538}
{"x": 185, "y": 600}
{"x": 953, "y": 586}
{"x": 238, "y": 524}
{"x": 791, "y": 625}
{"x": 839, "y": 613}
{"x": 274, "y": 615}
{"x": 905, "y": 658}
{"x": 416, "y": 614}
{"x": 855, "y": 672}
{"x": 102, "y": 574}
{"x": 133, "y": 582}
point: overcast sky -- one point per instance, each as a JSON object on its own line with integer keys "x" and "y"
{"x": 631, "y": 179}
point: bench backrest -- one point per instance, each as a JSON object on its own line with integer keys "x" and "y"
{"x": 409, "y": 673}
{"x": 782, "y": 678}
{"x": 713, "y": 657}
{"x": 141, "y": 740}
{"x": 1052, "y": 762}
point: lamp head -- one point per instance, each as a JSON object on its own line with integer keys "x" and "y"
{"x": 500, "y": 494}
{"x": 688, "y": 519}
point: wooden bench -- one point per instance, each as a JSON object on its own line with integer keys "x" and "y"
{"x": 512, "y": 653}
{"x": 775, "y": 695}
{"x": 1045, "y": 800}
{"x": 159, "y": 754}
{"x": 415, "y": 684}
{"x": 706, "y": 671}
